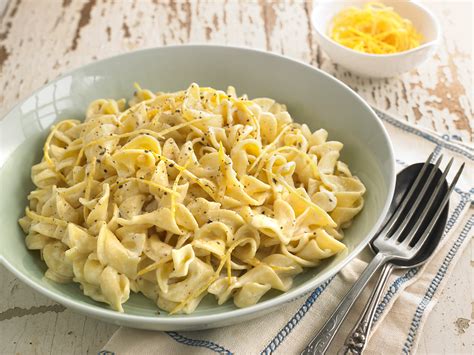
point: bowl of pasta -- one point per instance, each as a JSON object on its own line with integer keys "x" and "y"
{"x": 189, "y": 187}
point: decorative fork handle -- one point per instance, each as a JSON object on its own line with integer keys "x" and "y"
{"x": 356, "y": 341}
{"x": 322, "y": 340}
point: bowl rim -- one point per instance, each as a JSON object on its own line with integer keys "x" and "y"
{"x": 145, "y": 321}
{"x": 423, "y": 46}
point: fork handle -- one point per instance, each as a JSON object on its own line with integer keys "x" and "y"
{"x": 322, "y": 340}
{"x": 356, "y": 341}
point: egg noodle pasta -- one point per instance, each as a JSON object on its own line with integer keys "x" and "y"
{"x": 187, "y": 194}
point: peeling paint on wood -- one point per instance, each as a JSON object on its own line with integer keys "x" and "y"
{"x": 462, "y": 324}
{"x": 109, "y": 33}
{"x": 21, "y": 312}
{"x": 126, "y": 30}
{"x": 4, "y": 34}
{"x": 15, "y": 8}
{"x": 437, "y": 96}
{"x": 3, "y": 56}
{"x": 84, "y": 19}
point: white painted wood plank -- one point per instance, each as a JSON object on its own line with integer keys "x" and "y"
{"x": 449, "y": 328}
{"x": 32, "y": 324}
{"x": 64, "y": 34}
{"x": 437, "y": 96}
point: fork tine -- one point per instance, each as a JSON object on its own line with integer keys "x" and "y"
{"x": 416, "y": 248}
{"x": 409, "y": 215}
{"x": 394, "y": 218}
{"x": 428, "y": 207}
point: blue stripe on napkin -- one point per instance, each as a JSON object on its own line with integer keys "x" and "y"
{"x": 396, "y": 285}
{"x": 286, "y": 330}
{"x": 198, "y": 343}
{"x": 432, "y": 288}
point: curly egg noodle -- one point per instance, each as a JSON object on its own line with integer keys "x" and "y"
{"x": 186, "y": 194}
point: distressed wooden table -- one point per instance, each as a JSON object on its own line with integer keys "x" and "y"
{"x": 40, "y": 39}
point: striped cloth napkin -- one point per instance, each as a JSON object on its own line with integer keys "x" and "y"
{"x": 400, "y": 316}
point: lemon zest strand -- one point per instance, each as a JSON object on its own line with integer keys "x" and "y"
{"x": 150, "y": 183}
{"x": 310, "y": 203}
{"x": 175, "y": 187}
{"x": 46, "y": 148}
{"x": 153, "y": 266}
{"x": 189, "y": 175}
{"x": 302, "y": 154}
{"x": 267, "y": 148}
{"x": 87, "y": 192}
{"x": 214, "y": 277}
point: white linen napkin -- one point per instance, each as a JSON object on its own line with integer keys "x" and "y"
{"x": 400, "y": 316}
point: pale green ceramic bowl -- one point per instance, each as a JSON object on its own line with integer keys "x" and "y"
{"x": 312, "y": 97}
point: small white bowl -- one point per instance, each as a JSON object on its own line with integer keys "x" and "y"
{"x": 378, "y": 65}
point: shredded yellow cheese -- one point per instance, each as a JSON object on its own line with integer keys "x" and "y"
{"x": 375, "y": 28}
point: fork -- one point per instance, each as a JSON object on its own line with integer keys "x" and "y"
{"x": 396, "y": 241}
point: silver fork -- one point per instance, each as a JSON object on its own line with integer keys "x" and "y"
{"x": 394, "y": 242}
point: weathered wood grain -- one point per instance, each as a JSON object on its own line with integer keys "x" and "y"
{"x": 40, "y": 39}
{"x": 64, "y": 35}
{"x": 32, "y": 324}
